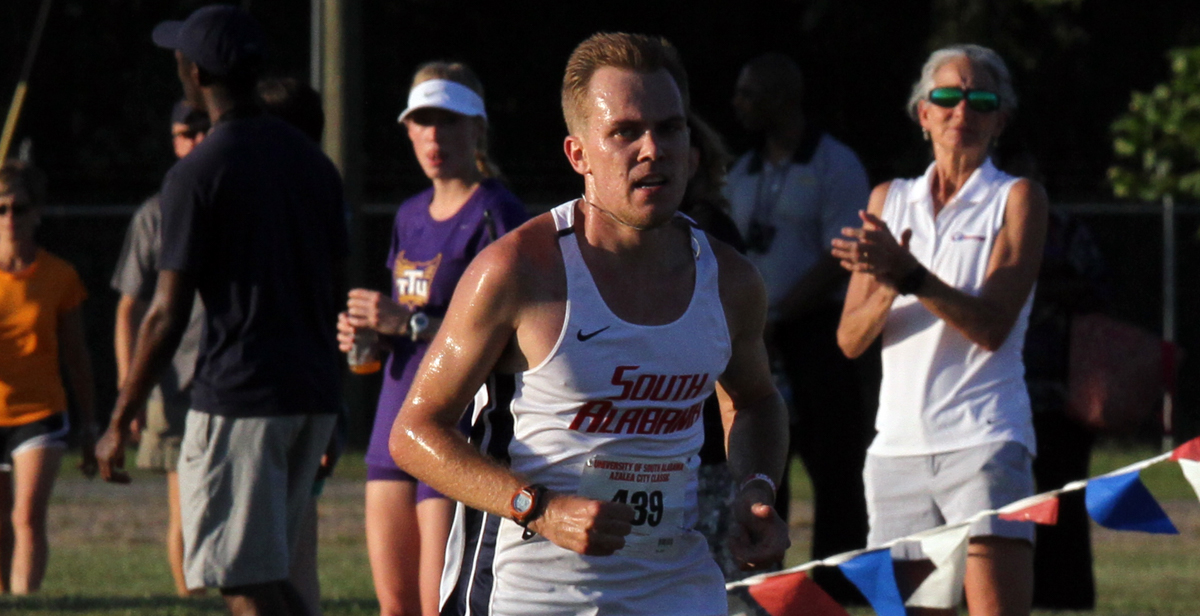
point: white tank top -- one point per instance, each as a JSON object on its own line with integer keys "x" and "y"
{"x": 940, "y": 391}
{"x": 614, "y": 413}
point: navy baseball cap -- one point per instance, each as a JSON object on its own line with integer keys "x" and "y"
{"x": 221, "y": 39}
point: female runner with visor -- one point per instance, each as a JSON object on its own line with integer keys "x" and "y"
{"x": 436, "y": 234}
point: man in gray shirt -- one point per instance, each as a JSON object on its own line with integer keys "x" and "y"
{"x": 161, "y": 426}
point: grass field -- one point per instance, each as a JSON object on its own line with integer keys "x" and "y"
{"x": 107, "y": 557}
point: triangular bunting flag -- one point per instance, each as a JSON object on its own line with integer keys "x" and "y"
{"x": 1122, "y": 502}
{"x": 794, "y": 594}
{"x": 872, "y": 573}
{"x": 943, "y": 588}
{"x": 1044, "y": 512}
{"x": 1191, "y": 471}
{"x": 1187, "y": 451}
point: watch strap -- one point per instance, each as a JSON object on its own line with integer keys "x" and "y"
{"x": 537, "y": 495}
{"x": 912, "y": 281}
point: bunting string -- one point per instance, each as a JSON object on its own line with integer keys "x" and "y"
{"x": 1116, "y": 500}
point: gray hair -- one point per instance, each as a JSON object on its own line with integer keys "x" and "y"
{"x": 978, "y": 56}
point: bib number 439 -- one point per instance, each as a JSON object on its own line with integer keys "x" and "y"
{"x": 647, "y": 506}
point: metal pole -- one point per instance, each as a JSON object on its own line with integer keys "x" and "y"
{"x": 339, "y": 71}
{"x": 333, "y": 59}
{"x": 1168, "y": 266}
{"x": 314, "y": 45}
{"x": 14, "y": 109}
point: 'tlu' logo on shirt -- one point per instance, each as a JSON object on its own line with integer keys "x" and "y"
{"x": 413, "y": 279}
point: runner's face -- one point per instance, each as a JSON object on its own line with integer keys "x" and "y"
{"x": 633, "y": 153}
{"x": 444, "y": 142}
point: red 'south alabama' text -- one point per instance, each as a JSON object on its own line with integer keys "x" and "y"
{"x": 603, "y": 417}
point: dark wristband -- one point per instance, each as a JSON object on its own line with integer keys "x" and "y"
{"x": 912, "y": 281}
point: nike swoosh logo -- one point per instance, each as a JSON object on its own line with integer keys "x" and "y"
{"x": 585, "y": 337}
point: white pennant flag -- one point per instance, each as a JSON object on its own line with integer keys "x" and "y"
{"x": 1191, "y": 470}
{"x": 947, "y": 549}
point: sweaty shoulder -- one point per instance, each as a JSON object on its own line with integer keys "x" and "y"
{"x": 526, "y": 259}
{"x": 518, "y": 283}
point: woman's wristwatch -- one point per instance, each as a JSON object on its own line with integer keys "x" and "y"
{"x": 912, "y": 281}
{"x": 418, "y": 324}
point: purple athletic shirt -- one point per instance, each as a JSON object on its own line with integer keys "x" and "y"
{"x": 426, "y": 260}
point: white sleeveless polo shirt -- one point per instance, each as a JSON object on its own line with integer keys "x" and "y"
{"x": 613, "y": 413}
{"x": 940, "y": 391}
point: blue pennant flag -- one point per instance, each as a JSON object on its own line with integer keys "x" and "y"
{"x": 1122, "y": 502}
{"x": 873, "y": 575}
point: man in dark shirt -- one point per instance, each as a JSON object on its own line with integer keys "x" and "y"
{"x": 253, "y": 221}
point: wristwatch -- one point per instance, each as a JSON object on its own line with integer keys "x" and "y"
{"x": 417, "y": 324}
{"x": 527, "y": 505}
{"x": 912, "y": 281}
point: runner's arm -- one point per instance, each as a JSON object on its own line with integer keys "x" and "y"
{"x": 484, "y": 317}
{"x": 754, "y": 416}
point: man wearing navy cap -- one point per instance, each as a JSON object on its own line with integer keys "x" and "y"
{"x": 252, "y": 219}
{"x": 161, "y": 423}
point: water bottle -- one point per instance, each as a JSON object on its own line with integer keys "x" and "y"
{"x": 362, "y": 357}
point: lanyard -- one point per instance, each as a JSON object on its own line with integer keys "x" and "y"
{"x": 773, "y": 176}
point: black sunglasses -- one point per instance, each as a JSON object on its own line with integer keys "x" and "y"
{"x": 982, "y": 101}
{"x": 17, "y": 209}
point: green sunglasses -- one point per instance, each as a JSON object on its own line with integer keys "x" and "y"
{"x": 982, "y": 101}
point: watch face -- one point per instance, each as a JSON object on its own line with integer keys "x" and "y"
{"x": 522, "y": 502}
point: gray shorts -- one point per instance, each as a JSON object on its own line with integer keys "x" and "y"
{"x": 162, "y": 436}
{"x": 909, "y": 494}
{"x": 244, "y": 485}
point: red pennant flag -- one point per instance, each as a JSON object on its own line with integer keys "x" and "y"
{"x": 1187, "y": 451}
{"x": 1045, "y": 512}
{"x": 794, "y": 594}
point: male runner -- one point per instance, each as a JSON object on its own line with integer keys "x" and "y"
{"x": 615, "y": 319}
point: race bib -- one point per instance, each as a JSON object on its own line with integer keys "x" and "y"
{"x": 654, "y": 488}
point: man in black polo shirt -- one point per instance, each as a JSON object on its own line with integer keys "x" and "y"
{"x": 253, "y": 221}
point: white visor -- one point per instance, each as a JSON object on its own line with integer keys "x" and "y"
{"x": 444, "y": 94}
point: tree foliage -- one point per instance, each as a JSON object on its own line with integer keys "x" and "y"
{"x": 1157, "y": 142}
